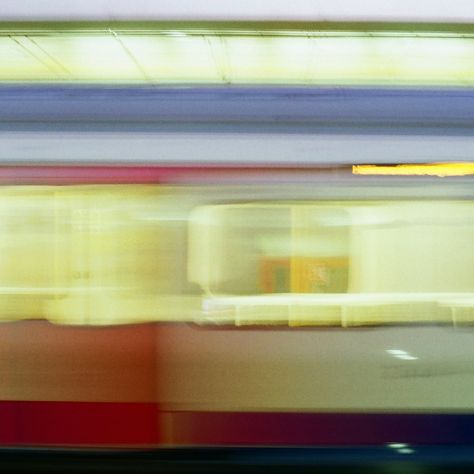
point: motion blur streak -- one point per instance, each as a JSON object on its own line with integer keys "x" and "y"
{"x": 115, "y": 254}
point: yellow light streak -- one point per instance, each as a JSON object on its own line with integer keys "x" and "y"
{"x": 435, "y": 169}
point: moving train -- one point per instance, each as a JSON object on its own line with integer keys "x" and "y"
{"x": 226, "y": 295}
{"x": 245, "y": 265}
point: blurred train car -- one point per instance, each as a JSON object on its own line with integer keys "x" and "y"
{"x": 237, "y": 267}
{"x": 214, "y": 298}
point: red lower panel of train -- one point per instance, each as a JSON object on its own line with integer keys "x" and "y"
{"x": 137, "y": 425}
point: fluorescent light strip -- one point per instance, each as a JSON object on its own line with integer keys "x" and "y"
{"x": 237, "y": 57}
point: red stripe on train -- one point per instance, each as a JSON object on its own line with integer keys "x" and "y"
{"x": 126, "y": 174}
{"x": 78, "y": 423}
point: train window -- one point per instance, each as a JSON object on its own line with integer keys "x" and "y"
{"x": 351, "y": 263}
{"x": 260, "y": 249}
{"x": 28, "y": 274}
{"x": 92, "y": 254}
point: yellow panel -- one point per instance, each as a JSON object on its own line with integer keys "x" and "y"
{"x": 18, "y": 63}
{"x": 386, "y": 60}
{"x": 272, "y": 60}
{"x": 98, "y": 58}
{"x": 174, "y": 59}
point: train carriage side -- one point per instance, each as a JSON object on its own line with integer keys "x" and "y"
{"x": 302, "y": 281}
